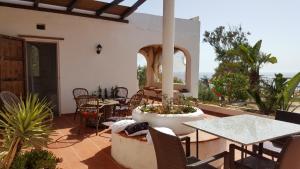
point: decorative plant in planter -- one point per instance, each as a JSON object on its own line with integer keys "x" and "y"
{"x": 183, "y": 105}
{"x": 169, "y": 114}
{"x": 27, "y": 124}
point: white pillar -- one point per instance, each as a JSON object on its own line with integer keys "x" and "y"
{"x": 168, "y": 47}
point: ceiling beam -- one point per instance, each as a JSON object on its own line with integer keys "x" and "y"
{"x": 36, "y": 3}
{"x": 132, "y": 8}
{"x": 71, "y": 5}
{"x": 60, "y": 12}
{"x": 107, "y": 6}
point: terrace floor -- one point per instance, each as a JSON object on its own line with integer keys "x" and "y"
{"x": 81, "y": 151}
{"x": 85, "y": 150}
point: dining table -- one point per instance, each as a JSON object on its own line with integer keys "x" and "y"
{"x": 106, "y": 104}
{"x": 244, "y": 129}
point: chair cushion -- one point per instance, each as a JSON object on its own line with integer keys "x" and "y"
{"x": 255, "y": 163}
{"x": 119, "y": 118}
{"x": 89, "y": 114}
{"x": 119, "y": 126}
{"x": 137, "y": 128}
{"x": 161, "y": 129}
{"x": 121, "y": 108}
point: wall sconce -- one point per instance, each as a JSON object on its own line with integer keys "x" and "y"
{"x": 99, "y": 48}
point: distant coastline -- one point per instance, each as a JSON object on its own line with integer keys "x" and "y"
{"x": 210, "y": 74}
{"x": 264, "y": 74}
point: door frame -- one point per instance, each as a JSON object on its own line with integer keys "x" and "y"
{"x": 42, "y": 40}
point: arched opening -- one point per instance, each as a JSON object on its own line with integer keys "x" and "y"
{"x": 151, "y": 56}
{"x": 141, "y": 70}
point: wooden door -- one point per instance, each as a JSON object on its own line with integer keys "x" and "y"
{"x": 12, "y": 65}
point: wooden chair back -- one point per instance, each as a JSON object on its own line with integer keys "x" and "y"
{"x": 289, "y": 158}
{"x": 287, "y": 116}
{"x": 169, "y": 151}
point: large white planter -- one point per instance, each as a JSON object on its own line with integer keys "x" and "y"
{"x": 172, "y": 121}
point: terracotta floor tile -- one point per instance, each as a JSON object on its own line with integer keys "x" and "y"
{"x": 81, "y": 151}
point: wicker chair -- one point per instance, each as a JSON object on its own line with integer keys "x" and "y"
{"x": 127, "y": 108}
{"x": 121, "y": 95}
{"x": 89, "y": 108}
{"x": 288, "y": 158}
{"x": 273, "y": 148}
{"x": 170, "y": 154}
{"x": 76, "y": 93}
{"x": 9, "y": 98}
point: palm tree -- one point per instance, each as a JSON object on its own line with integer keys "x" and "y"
{"x": 253, "y": 60}
{"x": 27, "y": 124}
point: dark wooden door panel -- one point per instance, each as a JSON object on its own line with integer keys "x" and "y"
{"x": 12, "y": 65}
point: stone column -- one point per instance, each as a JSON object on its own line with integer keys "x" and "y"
{"x": 168, "y": 47}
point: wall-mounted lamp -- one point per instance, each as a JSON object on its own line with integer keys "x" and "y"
{"x": 99, "y": 48}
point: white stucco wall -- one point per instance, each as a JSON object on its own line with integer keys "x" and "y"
{"x": 80, "y": 66}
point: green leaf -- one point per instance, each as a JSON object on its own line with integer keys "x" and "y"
{"x": 290, "y": 89}
{"x": 272, "y": 59}
{"x": 256, "y": 48}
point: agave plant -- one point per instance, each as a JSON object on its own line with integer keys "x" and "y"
{"x": 27, "y": 124}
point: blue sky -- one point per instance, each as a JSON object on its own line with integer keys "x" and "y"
{"x": 276, "y": 22}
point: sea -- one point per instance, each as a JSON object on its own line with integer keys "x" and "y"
{"x": 268, "y": 75}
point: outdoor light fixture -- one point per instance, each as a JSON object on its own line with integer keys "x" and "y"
{"x": 99, "y": 48}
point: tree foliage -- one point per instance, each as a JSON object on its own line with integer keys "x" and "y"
{"x": 232, "y": 86}
{"x": 205, "y": 93}
{"x": 142, "y": 76}
{"x": 177, "y": 80}
{"x": 253, "y": 60}
{"x": 224, "y": 40}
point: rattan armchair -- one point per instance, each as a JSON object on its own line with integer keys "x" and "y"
{"x": 76, "y": 93}
{"x": 170, "y": 154}
{"x": 287, "y": 159}
{"x": 121, "y": 95}
{"x": 89, "y": 109}
{"x": 127, "y": 108}
{"x": 8, "y": 97}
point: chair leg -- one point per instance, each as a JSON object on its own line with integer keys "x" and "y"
{"x": 80, "y": 124}
{"x": 227, "y": 161}
{"x": 76, "y": 112}
{"x": 231, "y": 157}
{"x": 97, "y": 126}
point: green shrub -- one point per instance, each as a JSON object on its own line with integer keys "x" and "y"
{"x": 232, "y": 86}
{"x": 36, "y": 159}
{"x": 205, "y": 93}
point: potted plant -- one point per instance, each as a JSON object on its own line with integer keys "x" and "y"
{"x": 169, "y": 115}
